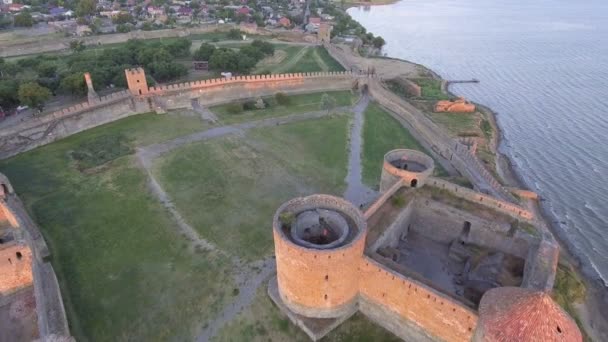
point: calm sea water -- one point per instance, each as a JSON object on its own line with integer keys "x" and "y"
{"x": 543, "y": 67}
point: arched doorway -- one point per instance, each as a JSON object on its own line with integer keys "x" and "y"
{"x": 4, "y": 189}
{"x": 413, "y": 183}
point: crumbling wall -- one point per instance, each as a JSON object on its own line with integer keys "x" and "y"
{"x": 493, "y": 203}
{"x": 400, "y": 298}
{"x": 444, "y": 223}
{"x": 400, "y": 226}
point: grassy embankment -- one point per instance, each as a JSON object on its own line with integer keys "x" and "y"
{"x": 298, "y": 104}
{"x": 569, "y": 290}
{"x": 382, "y": 133}
{"x": 229, "y": 188}
{"x": 124, "y": 271}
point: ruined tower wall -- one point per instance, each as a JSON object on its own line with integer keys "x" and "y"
{"x": 394, "y": 302}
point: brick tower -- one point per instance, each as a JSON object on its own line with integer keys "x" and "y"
{"x": 324, "y": 33}
{"x": 136, "y": 80}
{"x": 91, "y": 94}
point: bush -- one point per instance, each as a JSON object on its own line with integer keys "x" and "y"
{"x": 249, "y": 105}
{"x": 282, "y": 99}
{"x": 234, "y": 108}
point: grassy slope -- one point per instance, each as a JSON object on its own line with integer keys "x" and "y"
{"x": 382, "y": 133}
{"x": 299, "y": 104}
{"x": 228, "y": 189}
{"x": 124, "y": 272}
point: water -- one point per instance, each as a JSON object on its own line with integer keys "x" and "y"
{"x": 543, "y": 67}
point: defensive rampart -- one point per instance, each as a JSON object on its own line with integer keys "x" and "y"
{"x": 391, "y": 299}
{"x": 49, "y": 305}
{"x": 440, "y": 142}
{"x": 50, "y": 127}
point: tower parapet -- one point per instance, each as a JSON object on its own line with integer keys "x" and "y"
{"x": 317, "y": 242}
{"x": 414, "y": 167}
{"x": 91, "y": 94}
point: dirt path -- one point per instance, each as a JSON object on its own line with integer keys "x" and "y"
{"x": 293, "y": 61}
{"x": 250, "y": 278}
{"x": 357, "y": 192}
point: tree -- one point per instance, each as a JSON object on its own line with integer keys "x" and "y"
{"x": 24, "y": 19}
{"x": 77, "y": 46}
{"x": 8, "y": 93}
{"x": 73, "y": 84}
{"x": 33, "y": 95}
{"x": 86, "y": 7}
{"x": 235, "y": 34}
{"x": 122, "y": 18}
{"x": 5, "y": 21}
{"x": 46, "y": 69}
{"x": 327, "y": 102}
{"x": 282, "y": 99}
{"x": 204, "y": 52}
{"x": 123, "y": 28}
{"x": 378, "y": 42}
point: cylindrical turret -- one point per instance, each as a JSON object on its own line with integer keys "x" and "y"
{"x": 414, "y": 167}
{"x": 319, "y": 242}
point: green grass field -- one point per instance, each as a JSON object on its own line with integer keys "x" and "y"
{"x": 124, "y": 271}
{"x": 298, "y": 104}
{"x": 228, "y": 189}
{"x": 302, "y": 59}
{"x": 382, "y": 133}
{"x": 431, "y": 89}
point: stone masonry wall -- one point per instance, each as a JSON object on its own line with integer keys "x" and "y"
{"x": 319, "y": 282}
{"x": 504, "y": 207}
{"x": 50, "y": 127}
{"x": 15, "y": 268}
{"x": 441, "y": 317}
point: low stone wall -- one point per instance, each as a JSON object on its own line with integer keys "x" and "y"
{"x": 402, "y": 299}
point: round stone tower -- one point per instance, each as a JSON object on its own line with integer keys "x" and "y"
{"x": 521, "y": 314}
{"x": 414, "y": 167}
{"x": 319, "y": 241}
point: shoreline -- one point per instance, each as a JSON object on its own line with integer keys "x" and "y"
{"x": 592, "y": 311}
{"x": 596, "y": 290}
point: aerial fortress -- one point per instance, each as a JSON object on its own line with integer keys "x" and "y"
{"x": 427, "y": 259}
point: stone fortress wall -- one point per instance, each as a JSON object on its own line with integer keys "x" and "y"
{"x": 30, "y": 254}
{"x": 397, "y": 298}
{"x": 47, "y": 128}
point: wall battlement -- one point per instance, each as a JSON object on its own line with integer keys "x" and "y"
{"x": 196, "y": 85}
